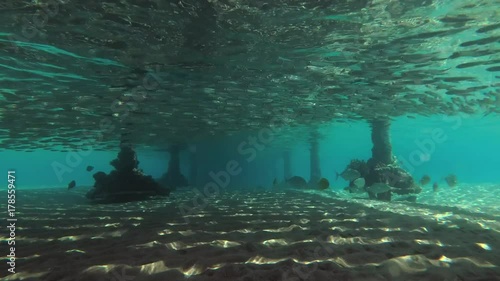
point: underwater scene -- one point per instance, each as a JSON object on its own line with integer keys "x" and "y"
{"x": 250, "y": 140}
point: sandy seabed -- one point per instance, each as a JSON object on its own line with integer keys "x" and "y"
{"x": 276, "y": 236}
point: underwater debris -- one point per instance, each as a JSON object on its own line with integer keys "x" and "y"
{"x": 71, "y": 184}
{"x": 425, "y": 180}
{"x": 126, "y": 182}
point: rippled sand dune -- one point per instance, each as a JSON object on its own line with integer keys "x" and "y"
{"x": 288, "y": 236}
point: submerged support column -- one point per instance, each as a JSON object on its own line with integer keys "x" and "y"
{"x": 173, "y": 177}
{"x": 174, "y": 164}
{"x": 380, "y": 170}
{"x": 382, "y": 167}
{"x": 382, "y": 148}
{"x": 287, "y": 169}
{"x": 193, "y": 168}
{"x": 314, "y": 159}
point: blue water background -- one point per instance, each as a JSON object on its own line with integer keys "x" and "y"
{"x": 466, "y": 146}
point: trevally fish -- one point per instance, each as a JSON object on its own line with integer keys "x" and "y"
{"x": 349, "y": 174}
{"x": 379, "y": 187}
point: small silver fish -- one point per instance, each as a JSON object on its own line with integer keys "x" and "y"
{"x": 349, "y": 174}
{"x": 354, "y": 189}
{"x": 360, "y": 183}
{"x": 378, "y": 188}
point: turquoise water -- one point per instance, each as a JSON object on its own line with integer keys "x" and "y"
{"x": 470, "y": 151}
{"x": 230, "y": 87}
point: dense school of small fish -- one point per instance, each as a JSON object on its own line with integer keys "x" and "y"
{"x": 152, "y": 72}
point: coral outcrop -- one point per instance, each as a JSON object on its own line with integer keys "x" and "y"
{"x": 382, "y": 167}
{"x": 126, "y": 183}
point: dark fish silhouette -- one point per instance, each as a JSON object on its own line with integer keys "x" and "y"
{"x": 451, "y": 180}
{"x": 473, "y": 53}
{"x": 425, "y": 180}
{"x": 493, "y": 69}
{"x": 483, "y": 41}
{"x": 457, "y": 19}
{"x": 435, "y": 187}
{"x": 458, "y": 79}
{"x": 323, "y": 184}
{"x": 71, "y": 184}
{"x": 90, "y": 168}
{"x": 477, "y": 63}
{"x": 488, "y": 28}
{"x": 297, "y": 182}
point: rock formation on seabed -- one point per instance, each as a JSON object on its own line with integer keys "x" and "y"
{"x": 126, "y": 182}
{"x": 382, "y": 167}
